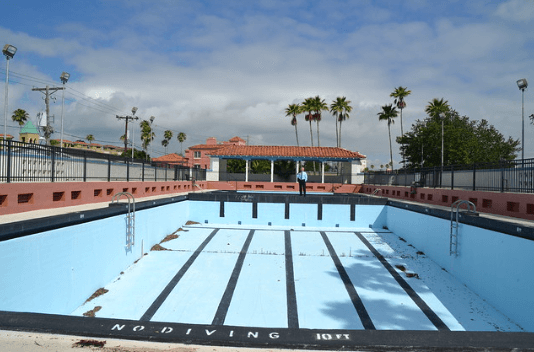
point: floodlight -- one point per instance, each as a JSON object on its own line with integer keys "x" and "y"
{"x": 522, "y": 83}
{"x": 9, "y": 51}
{"x": 64, "y": 77}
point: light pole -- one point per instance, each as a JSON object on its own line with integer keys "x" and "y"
{"x": 442, "y": 115}
{"x": 522, "y": 84}
{"x": 152, "y": 118}
{"x": 9, "y": 51}
{"x": 127, "y": 118}
{"x": 64, "y": 78}
{"x": 134, "y": 110}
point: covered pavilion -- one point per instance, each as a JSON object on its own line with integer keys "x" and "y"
{"x": 353, "y": 161}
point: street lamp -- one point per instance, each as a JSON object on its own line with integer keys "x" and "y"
{"x": 9, "y": 51}
{"x": 522, "y": 84}
{"x": 64, "y": 78}
{"x": 134, "y": 110}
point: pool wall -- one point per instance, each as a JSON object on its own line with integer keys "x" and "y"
{"x": 300, "y": 214}
{"x": 496, "y": 266}
{"x": 57, "y": 270}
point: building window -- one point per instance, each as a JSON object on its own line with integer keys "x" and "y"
{"x": 197, "y": 166}
{"x": 198, "y": 155}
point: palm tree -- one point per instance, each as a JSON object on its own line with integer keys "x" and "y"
{"x": 147, "y": 134}
{"x": 307, "y": 107}
{"x": 165, "y": 143}
{"x": 399, "y": 94}
{"x": 436, "y": 107}
{"x": 388, "y": 113}
{"x": 89, "y": 139}
{"x": 318, "y": 106}
{"x": 294, "y": 110}
{"x": 20, "y": 116}
{"x": 340, "y": 108}
{"x": 167, "y": 135}
{"x": 181, "y": 138}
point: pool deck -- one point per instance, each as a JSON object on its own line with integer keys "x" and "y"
{"x": 325, "y": 283}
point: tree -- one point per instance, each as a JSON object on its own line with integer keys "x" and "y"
{"x": 318, "y": 105}
{"x": 466, "y": 142}
{"x": 89, "y": 139}
{"x": 236, "y": 166}
{"x": 399, "y": 94}
{"x": 388, "y": 113}
{"x": 340, "y": 108}
{"x": 181, "y": 138}
{"x": 436, "y": 107}
{"x": 307, "y": 108}
{"x": 167, "y": 136}
{"x": 294, "y": 110}
{"x": 20, "y": 116}
{"x": 147, "y": 134}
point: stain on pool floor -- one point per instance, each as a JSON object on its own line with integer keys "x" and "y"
{"x": 271, "y": 277}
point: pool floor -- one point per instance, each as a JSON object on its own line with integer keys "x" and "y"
{"x": 274, "y": 277}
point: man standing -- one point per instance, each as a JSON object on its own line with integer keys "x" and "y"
{"x": 302, "y": 177}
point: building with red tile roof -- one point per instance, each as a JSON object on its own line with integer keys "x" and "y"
{"x": 198, "y": 155}
{"x": 353, "y": 162}
{"x": 170, "y": 159}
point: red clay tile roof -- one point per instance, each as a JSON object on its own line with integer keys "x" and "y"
{"x": 236, "y": 139}
{"x": 285, "y": 151}
{"x": 171, "y": 158}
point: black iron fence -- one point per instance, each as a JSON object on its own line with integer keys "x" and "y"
{"x": 23, "y": 162}
{"x": 504, "y": 176}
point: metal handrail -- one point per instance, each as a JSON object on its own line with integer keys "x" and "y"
{"x": 130, "y": 216}
{"x": 455, "y": 223}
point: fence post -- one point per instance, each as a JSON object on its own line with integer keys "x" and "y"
{"x": 175, "y": 172}
{"x": 452, "y": 177}
{"x": 8, "y": 175}
{"x": 155, "y": 174}
{"x": 502, "y": 175}
{"x": 127, "y": 170}
{"x": 474, "y": 176}
{"x": 84, "y": 166}
{"x": 166, "y": 173}
{"x": 109, "y": 168}
{"x": 53, "y": 166}
{"x": 143, "y": 172}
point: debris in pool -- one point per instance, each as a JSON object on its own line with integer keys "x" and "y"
{"x": 91, "y": 313}
{"x": 411, "y": 274}
{"x": 97, "y": 293}
{"x": 192, "y": 223}
{"x": 169, "y": 238}
{"x": 385, "y": 227}
{"x": 420, "y": 253}
{"x": 400, "y": 267}
{"x": 402, "y": 239}
{"x": 89, "y": 343}
{"x": 157, "y": 247}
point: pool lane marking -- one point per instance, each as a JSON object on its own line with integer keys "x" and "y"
{"x": 172, "y": 284}
{"x": 292, "y": 312}
{"x": 354, "y": 297}
{"x": 430, "y": 314}
{"x": 222, "y": 310}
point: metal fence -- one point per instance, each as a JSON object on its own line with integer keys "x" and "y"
{"x": 23, "y": 162}
{"x": 505, "y": 176}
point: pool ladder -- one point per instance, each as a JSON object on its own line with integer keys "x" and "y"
{"x": 130, "y": 216}
{"x": 455, "y": 223}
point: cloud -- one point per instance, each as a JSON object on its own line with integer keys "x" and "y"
{"x": 516, "y": 10}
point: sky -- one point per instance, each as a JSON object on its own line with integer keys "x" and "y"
{"x": 231, "y": 68}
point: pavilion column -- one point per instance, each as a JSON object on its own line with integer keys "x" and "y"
{"x": 246, "y": 170}
{"x": 322, "y": 172}
{"x": 272, "y": 170}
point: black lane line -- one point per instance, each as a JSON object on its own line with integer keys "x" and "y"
{"x": 354, "y": 297}
{"x": 292, "y": 313}
{"x": 170, "y": 286}
{"x": 430, "y": 314}
{"x": 220, "y": 315}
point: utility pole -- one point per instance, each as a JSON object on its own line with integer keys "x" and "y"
{"x": 127, "y": 118}
{"x": 47, "y": 91}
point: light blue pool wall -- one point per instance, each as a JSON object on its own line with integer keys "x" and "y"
{"x": 57, "y": 270}
{"x": 496, "y": 266}
{"x": 299, "y": 213}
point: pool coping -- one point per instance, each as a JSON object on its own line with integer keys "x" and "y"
{"x": 324, "y": 339}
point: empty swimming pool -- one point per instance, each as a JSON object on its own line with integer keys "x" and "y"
{"x": 275, "y": 270}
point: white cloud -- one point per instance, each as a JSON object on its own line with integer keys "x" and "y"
{"x": 516, "y": 10}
